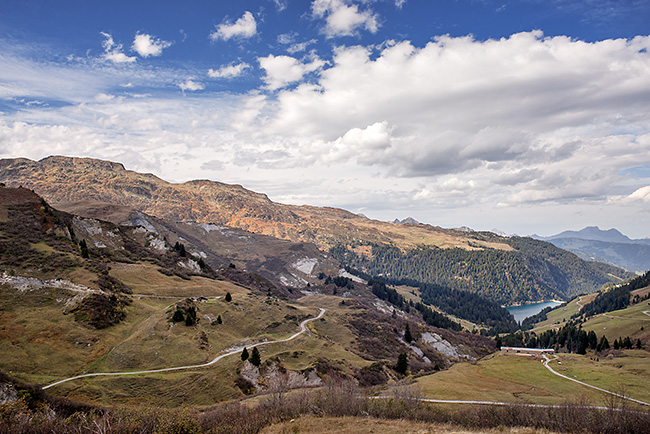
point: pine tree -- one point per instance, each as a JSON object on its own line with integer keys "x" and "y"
{"x": 178, "y": 316}
{"x": 255, "y": 358}
{"x": 638, "y": 344}
{"x": 603, "y": 344}
{"x": 627, "y": 343}
{"x": 407, "y": 334}
{"x": 244, "y": 354}
{"x": 190, "y": 319}
{"x": 228, "y": 297}
{"x": 84, "y": 249}
{"x": 402, "y": 363}
{"x": 219, "y": 320}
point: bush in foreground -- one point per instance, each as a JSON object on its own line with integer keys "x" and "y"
{"x": 336, "y": 398}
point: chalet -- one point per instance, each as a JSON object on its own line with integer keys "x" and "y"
{"x": 527, "y": 352}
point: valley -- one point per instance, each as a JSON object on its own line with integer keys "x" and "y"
{"x": 103, "y": 304}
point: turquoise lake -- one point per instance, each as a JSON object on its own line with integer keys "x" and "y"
{"x": 526, "y": 310}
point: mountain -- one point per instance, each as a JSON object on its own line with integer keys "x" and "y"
{"x": 593, "y": 233}
{"x": 609, "y": 246}
{"x": 80, "y": 294}
{"x": 282, "y": 262}
{"x": 407, "y": 220}
{"x": 548, "y": 273}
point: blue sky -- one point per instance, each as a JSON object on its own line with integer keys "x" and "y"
{"x": 527, "y": 116}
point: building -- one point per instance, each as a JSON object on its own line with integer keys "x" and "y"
{"x": 527, "y": 352}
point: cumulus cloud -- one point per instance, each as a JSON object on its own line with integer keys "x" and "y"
{"x": 343, "y": 18}
{"x": 281, "y": 71}
{"x": 229, "y": 71}
{"x": 145, "y": 45}
{"x": 642, "y": 195}
{"x": 520, "y": 101}
{"x": 113, "y": 52}
{"x": 244, "y": 27}
{"x": 191, "y": 85}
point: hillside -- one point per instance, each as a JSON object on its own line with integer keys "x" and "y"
{"x": 81, "y": 295}
{"x": 66, "y": 179}
{"x": 529, "y": 273}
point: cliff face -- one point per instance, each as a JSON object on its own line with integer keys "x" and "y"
{"x": 68, "y": 179}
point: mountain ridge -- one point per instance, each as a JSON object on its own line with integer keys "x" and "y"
{"x": 62, "y": 180}
{"x": 609, "y": 246}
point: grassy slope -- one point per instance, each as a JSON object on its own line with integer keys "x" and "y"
{"x": 561, "y": 314}
{"x": 39, "y": 343}
{"x": 622, "y": 323}
{"x": 518, "y": 379}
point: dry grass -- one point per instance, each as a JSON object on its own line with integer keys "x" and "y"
{"x": 504, "y": 379}
{"x": 366, "y": 425}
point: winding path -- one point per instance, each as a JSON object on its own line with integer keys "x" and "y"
{"x": 546, "y": 362}
{"x": 234, "y": 350}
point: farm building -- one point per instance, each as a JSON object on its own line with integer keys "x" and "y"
{"x": 526, "y": 352}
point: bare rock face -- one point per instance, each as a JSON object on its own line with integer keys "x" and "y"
{"x": 273, "y": 377}
{"x": 8, "y": 393}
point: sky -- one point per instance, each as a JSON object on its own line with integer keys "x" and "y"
{"x": 527, "y": 116}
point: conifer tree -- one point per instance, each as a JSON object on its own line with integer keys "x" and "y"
{"x": 244, "y": 354}
{"x": 228, "y": 297}
{"x": 255, "y": 358}
{"x": 407, "y": 334}
{"x": 178, "y": 316}
{"x": 402, "y": 363}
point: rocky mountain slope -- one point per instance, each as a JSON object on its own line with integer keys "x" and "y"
{"x": 62, "y": 180}
{"x": 80, "y": 294}
{"x": 66, "y": 179}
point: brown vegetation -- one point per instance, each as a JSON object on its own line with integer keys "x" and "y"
{"x": 35, "y": 412}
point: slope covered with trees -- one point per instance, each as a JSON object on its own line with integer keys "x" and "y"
{"x": 533, "y": 270}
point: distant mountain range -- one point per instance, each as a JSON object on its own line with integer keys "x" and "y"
{"x": 609, "y": 246}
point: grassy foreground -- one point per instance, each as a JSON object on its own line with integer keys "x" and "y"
{"x": 359, "y": 425}
{"x": 337, "y": 407}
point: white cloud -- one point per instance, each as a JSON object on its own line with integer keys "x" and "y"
{"x": 281, "y": 71}
{"x": 191, "y": 85}
{"x": 113, "y": 52}
{"x": 147, "y": 46}
{"x": 244, "y": 27}
{"x": 642, "y": 194}
{"x": 281, "y": 4}
{"x": 343, "y": 18}
{"x": 293, "y": 46}
{"x": 399, "y": 3}
{"x": 229, "y": 71}
{"x": 523, "y": 128}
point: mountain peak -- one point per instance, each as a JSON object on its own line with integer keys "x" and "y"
{"x": 594, "y": 233}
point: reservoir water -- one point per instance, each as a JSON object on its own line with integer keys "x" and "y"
{"x": 526, "y": 310}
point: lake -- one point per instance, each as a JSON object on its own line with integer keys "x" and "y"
{"x": 526, "y": 310}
